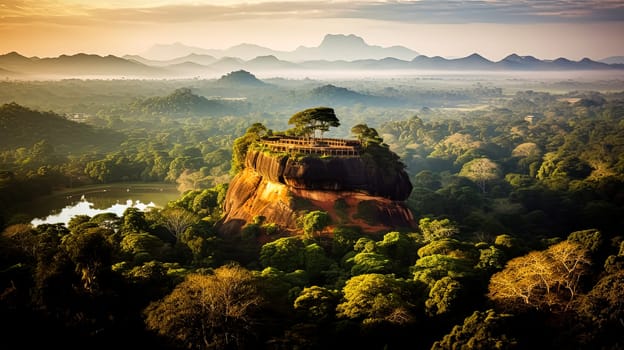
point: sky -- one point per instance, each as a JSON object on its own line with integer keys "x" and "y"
{"x": 546, "y": 29}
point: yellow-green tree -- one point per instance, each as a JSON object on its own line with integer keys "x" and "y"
{"x": 373, "y": 298}
{"x": 541, "y": 279}
{"x": 481, "y": 171}
{"x": 208, "y": 311}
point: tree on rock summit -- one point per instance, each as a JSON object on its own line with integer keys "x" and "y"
{"x": 308, "y": 121}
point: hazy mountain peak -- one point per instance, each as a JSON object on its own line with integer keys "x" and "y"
{"x": 246, "y": 46}
{"x": 13, "y": 54}
{"x": 513, "y": 57}
{"x": 475, "y": 56}
{"x": 241, "y": 77}
{"x": 562, "y": 60}
{"x": 268, "y": 58}
{"x": 613, "y": 60}
{"x": 347, "y": 47}
{"x": 336, "y": 47}
{"x": 342, "y": 41}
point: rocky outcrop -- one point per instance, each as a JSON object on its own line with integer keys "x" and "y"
{"x": 353, "y": 191}
{"x": 334, "y": 174}
{"x": 250, "y": 195}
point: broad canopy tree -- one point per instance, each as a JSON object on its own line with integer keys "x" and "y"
{"x": 308, "y": 121}
{"x": 547, "y": 279}
{"x": 377, "y": 297}
{"x": 366, "y": 134}
{"x": 481, "y": 171}
{"x": 208, "y": 311}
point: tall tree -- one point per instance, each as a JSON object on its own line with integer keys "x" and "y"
{"x": 541, "y": 279}
{"x": 208, "y": 311}
{"x": 366, "y": 134}
{"x": 481, "y": 171}
{"x": 314, "y": 222}
{"x": 376, "y": 297}
{"x": 177, "y": 221}
{"x": 308, "y": 121}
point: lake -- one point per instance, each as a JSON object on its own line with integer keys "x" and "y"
{"x": 92, "y": 200}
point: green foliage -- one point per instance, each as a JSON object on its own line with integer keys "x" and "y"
{"x": 133, "y": 221}
{"x": 365, "y": 244}
{"x": 91, "y": 253}
{"x": 50, "y": 134}
{"x": 481, "y": 330}
{"x": 428, "y": 180}
{"x": 433, "y": 229}
{"x": 491, "y": 259}
{"x": 317, "y": 303}
{"x": 589, "y": 239}
{"x": 431, "y": 268}
{"x": 275, "y": 285}
{"x": 601, "y": 312}
{"x": 368, "y": 262}
{"x": 144, "y": 246}
{"x": 448, "y": 246}
{"x": 183, "y": 102}
{"x": 366, "y": 134}
{"x": 314, "y": 222}
{"x": 315, "y": 260}
{"x": 400, "y": 248}
{"x": 561, "y": 169}
{"x": 285, "y": 254}
{"x": 372, "y": 297}
{"x": 443, "y": 296}
{"x": 242, "y": 144}
{"x": 308, "y": 121}
{"x": 344, "y": 240}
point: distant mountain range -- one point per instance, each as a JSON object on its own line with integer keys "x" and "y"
{"x": 338, "y": 53}
{"x": 613, "y": 60}
{"x": 333, "y": 47}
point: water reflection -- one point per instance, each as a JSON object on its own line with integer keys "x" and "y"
{"x": 84, "y": 207}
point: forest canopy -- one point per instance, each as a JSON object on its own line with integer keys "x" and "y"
{"x": 518, "y": 204}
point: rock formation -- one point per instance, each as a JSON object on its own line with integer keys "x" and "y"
{"x": 354, "y": 190}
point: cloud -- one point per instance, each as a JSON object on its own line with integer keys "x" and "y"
{"x": 423, "y": 11}
{"x": 492, "y": 11}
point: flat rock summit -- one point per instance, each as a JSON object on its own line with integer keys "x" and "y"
{"x": 285, "y": 177}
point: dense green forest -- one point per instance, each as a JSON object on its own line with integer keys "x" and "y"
{"x": 519, "y": 203}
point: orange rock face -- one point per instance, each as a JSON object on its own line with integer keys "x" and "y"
{"x": 281, "y": 189}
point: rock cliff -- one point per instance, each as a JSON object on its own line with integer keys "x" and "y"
{"x": 333, "y": 174}
{"x": 353, "y": 190}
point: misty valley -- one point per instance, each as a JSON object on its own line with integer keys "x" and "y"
{"x": 333, "y": 207}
